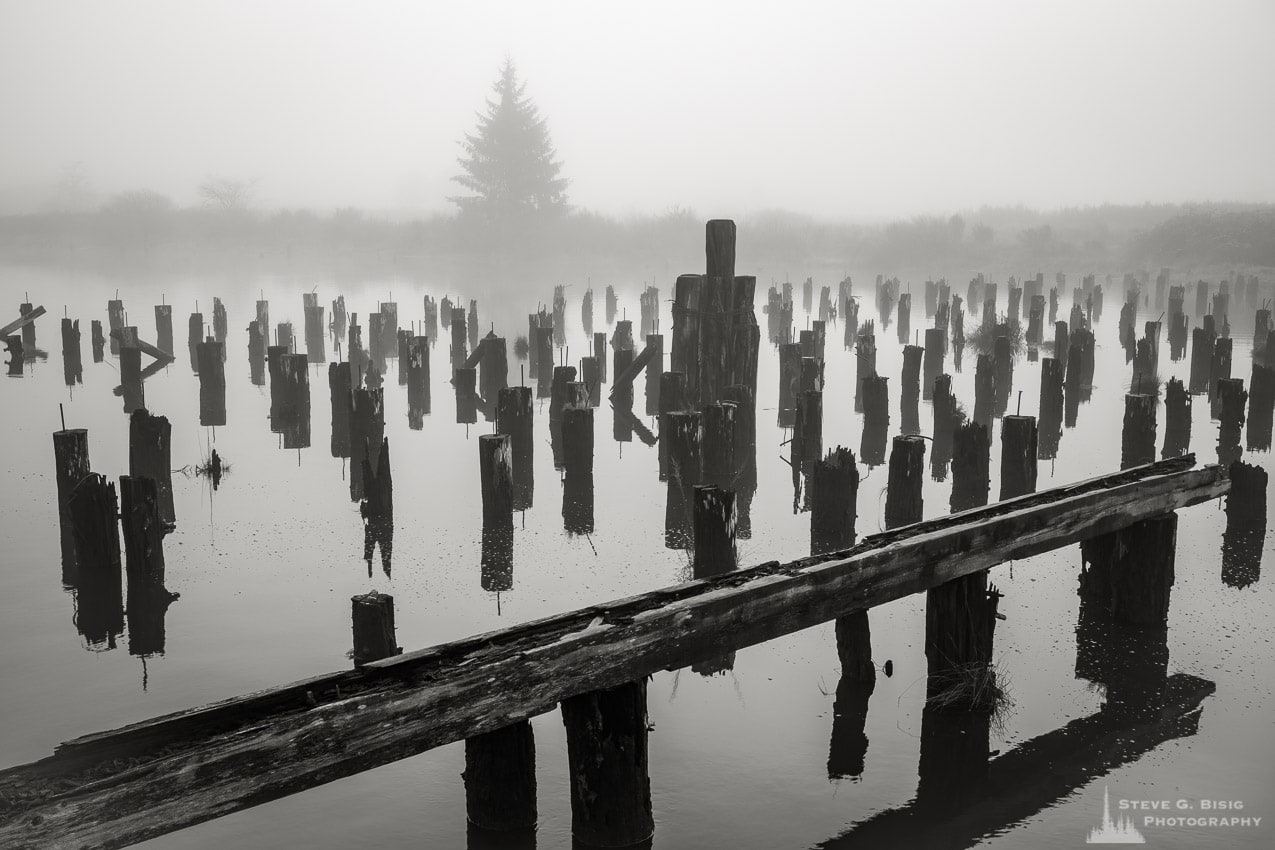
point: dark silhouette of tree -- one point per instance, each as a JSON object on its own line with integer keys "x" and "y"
{"x": 509, "y": 161}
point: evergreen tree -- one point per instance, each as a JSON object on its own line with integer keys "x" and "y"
{"x": 509, "y": 160}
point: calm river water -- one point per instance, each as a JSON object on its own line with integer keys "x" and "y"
{"x": 266, "y": 565}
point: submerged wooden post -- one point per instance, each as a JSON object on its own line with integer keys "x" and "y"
{"x": 1229, "y": 403}
{"x": 1261, "y": 408}
{"x": 1137, "y": 443}
{"x": 714, "y": 529}
{"x": 577, "y": 440}
{"x": 834, "y": 489}
{"x": 212, "y": 383}
{"x": 514, "y": 416}
{"x": 910, "y": 389}
{"x": 1018, "y": 456}
{"x": 1177, "y": 419}
{"x": 71, "y": 465}
{"x": 970, "y": 466}
{"x": 150, "y": 456}
{"x": 935, "y": 348}
{"x": 608, "y": 763}
{"x": 903, "y": 502}
{"x": 372, "y": 616}
{"x": 94, "y": 511}
{"x": 495, "y": 468}
{"x": 500, "y": 779}
{"x": 1129, "y": 573}
{"x": 143, "y": 529}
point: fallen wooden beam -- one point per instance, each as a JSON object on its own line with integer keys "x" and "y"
{"x": 152, "y": 778}
{"x": 629, "y": 375}
{"x": 21, "y": 322}
{"x": 137, "y": 342}
{"x": 1037, "y": 773}
{"x": 477, "y": 356}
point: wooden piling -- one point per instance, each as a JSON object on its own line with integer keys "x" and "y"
{"x": 500, "y": 780}
{"x": 150, "y": 456}
{"x": 1177, "y": 420}
{"x": 515, "y": 416}
{"x": 94, "y": 512}
{"x": 143, "y": 529}
{"x": 903, "y": 501}
{"x": 935, "y": 348}
{"x": 1261, "y": 408}
{"x": 1129, "y": 573}
{"x": 1137, "y": 444}
{"x": 1219, "y": 369}
{"x": 715, "y": 522}
{"x": 876, "y": 420}
{"x": 720, "y": 437}
{"x": 495, "y": 470}
{"x": 970, "y": 466}
{"x": 1018, "y": 456}
{"x": 834, "y": 496}
{"x": 372, "y": 617}
{"x": 1229, "y": 403}
{"x": 577, "y": 440}
{"x": 608, "y": 760}
{"x": 212, "y": 383}
{"x": 466, "y": 385}
{"x": 910, "y": 389}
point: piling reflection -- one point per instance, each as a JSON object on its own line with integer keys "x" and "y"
{"x": 377, "y": 508}
{"x": 1244, "y": 540}
{"x": 497, "y": 566}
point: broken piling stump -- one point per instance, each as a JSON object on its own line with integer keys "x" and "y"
{"x": 372, "y": 619}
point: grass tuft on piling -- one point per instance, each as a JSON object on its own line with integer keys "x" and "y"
{"x": 972, "y": 687}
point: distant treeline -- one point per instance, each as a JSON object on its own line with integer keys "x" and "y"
{"x": 143, "y": 230}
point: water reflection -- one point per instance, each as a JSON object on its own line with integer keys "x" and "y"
{"x": 1244, "y": 540}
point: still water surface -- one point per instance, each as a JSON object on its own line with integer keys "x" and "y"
{"x": 265, "y": 567}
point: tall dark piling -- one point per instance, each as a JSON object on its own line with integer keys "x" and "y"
{"x": 947, "y": 415}
{"x": 876, "y": 421}
{"x": 1229, "y": 404}
{"x": 372, "y": 618}
{"x": 496, "y": 472}
{"x": 935, "y": 348}
{"x": 143, "y": 530}
{"x": 1201, "y": 360}
{"x": 500, "y": 783}
{"x": 985, "y": 392}
{"x": 1129, "y": 573}
{"x": 1219, "y": 370}
{"x": 600, "y": 352}
{"x": 94, "y": 516}
{"x": 905, "y": 318}
{"x": 591, "y": 376}
{"x": 418, "y": 389}
{"x": 220, "y": 325}
{"x": 115, "y": 320}
{"x": 543, "y": 343}
{"x": 910, "y": 389}
{"x": 315, "y": 332}
{"x": 1177, "y": 419}
{"x": 789, "y": 382}
{"x": 212, "y": 383}
{"x": 460, "y": 340}
{"x": 150, "y": 456}
{"x": 367, "y": 429}
{"x": 1018, "y": 456}
{"x": 721, "y": 433}
{"x": 807, "y": 437}
{"x": 609, "y": 766}
{"x": 164, "y": 327}
{"x": 515, "y": 416}
{"x": 493, "y": 368}
{"x": 834, "y": 499}
{"x": 194, "y": 336}
{"x": 970, "y": 466}
{"x": 72, "y": 364}
{"x": 466, "y": 386}
{"x": 257, "y": 344}
{"x": 71, "y": 465}
{"x": 654, "y": 370}
{"x": 1051, "y": 408}
{"x": 1261, "y": 408}
{"x": 577, "y": 440}
{"x": 131, "y": 381}
{"x": 865, "y": 363}
{"x": 715, "y": 521}
{"x": 682, "y": 433}
{"x": 98, "y": 340}
{"x": 903, "y": 503}
{"x": 339, "y": 389}
{"x": 377, "y": 507}
{"x": 1137, "y": 443}
{"x": 1003, "y": 362}
{"x": 1245, "y": 537}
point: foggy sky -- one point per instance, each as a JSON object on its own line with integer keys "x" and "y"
{"x": 846, "y": 110}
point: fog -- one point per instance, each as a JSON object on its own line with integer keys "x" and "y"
{"x": 848, "y": 111}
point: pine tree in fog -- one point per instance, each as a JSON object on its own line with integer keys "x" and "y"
{"x": 509, "y": 160}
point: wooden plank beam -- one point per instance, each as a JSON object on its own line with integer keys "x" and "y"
{"x": 155, "y": 777}
{"x": 629, "y": 375}
{"x": 22, "y": 321}
{"x": 146, "y": 347}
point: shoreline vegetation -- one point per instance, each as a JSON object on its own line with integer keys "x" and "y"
{"x": 144, "y": 232}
